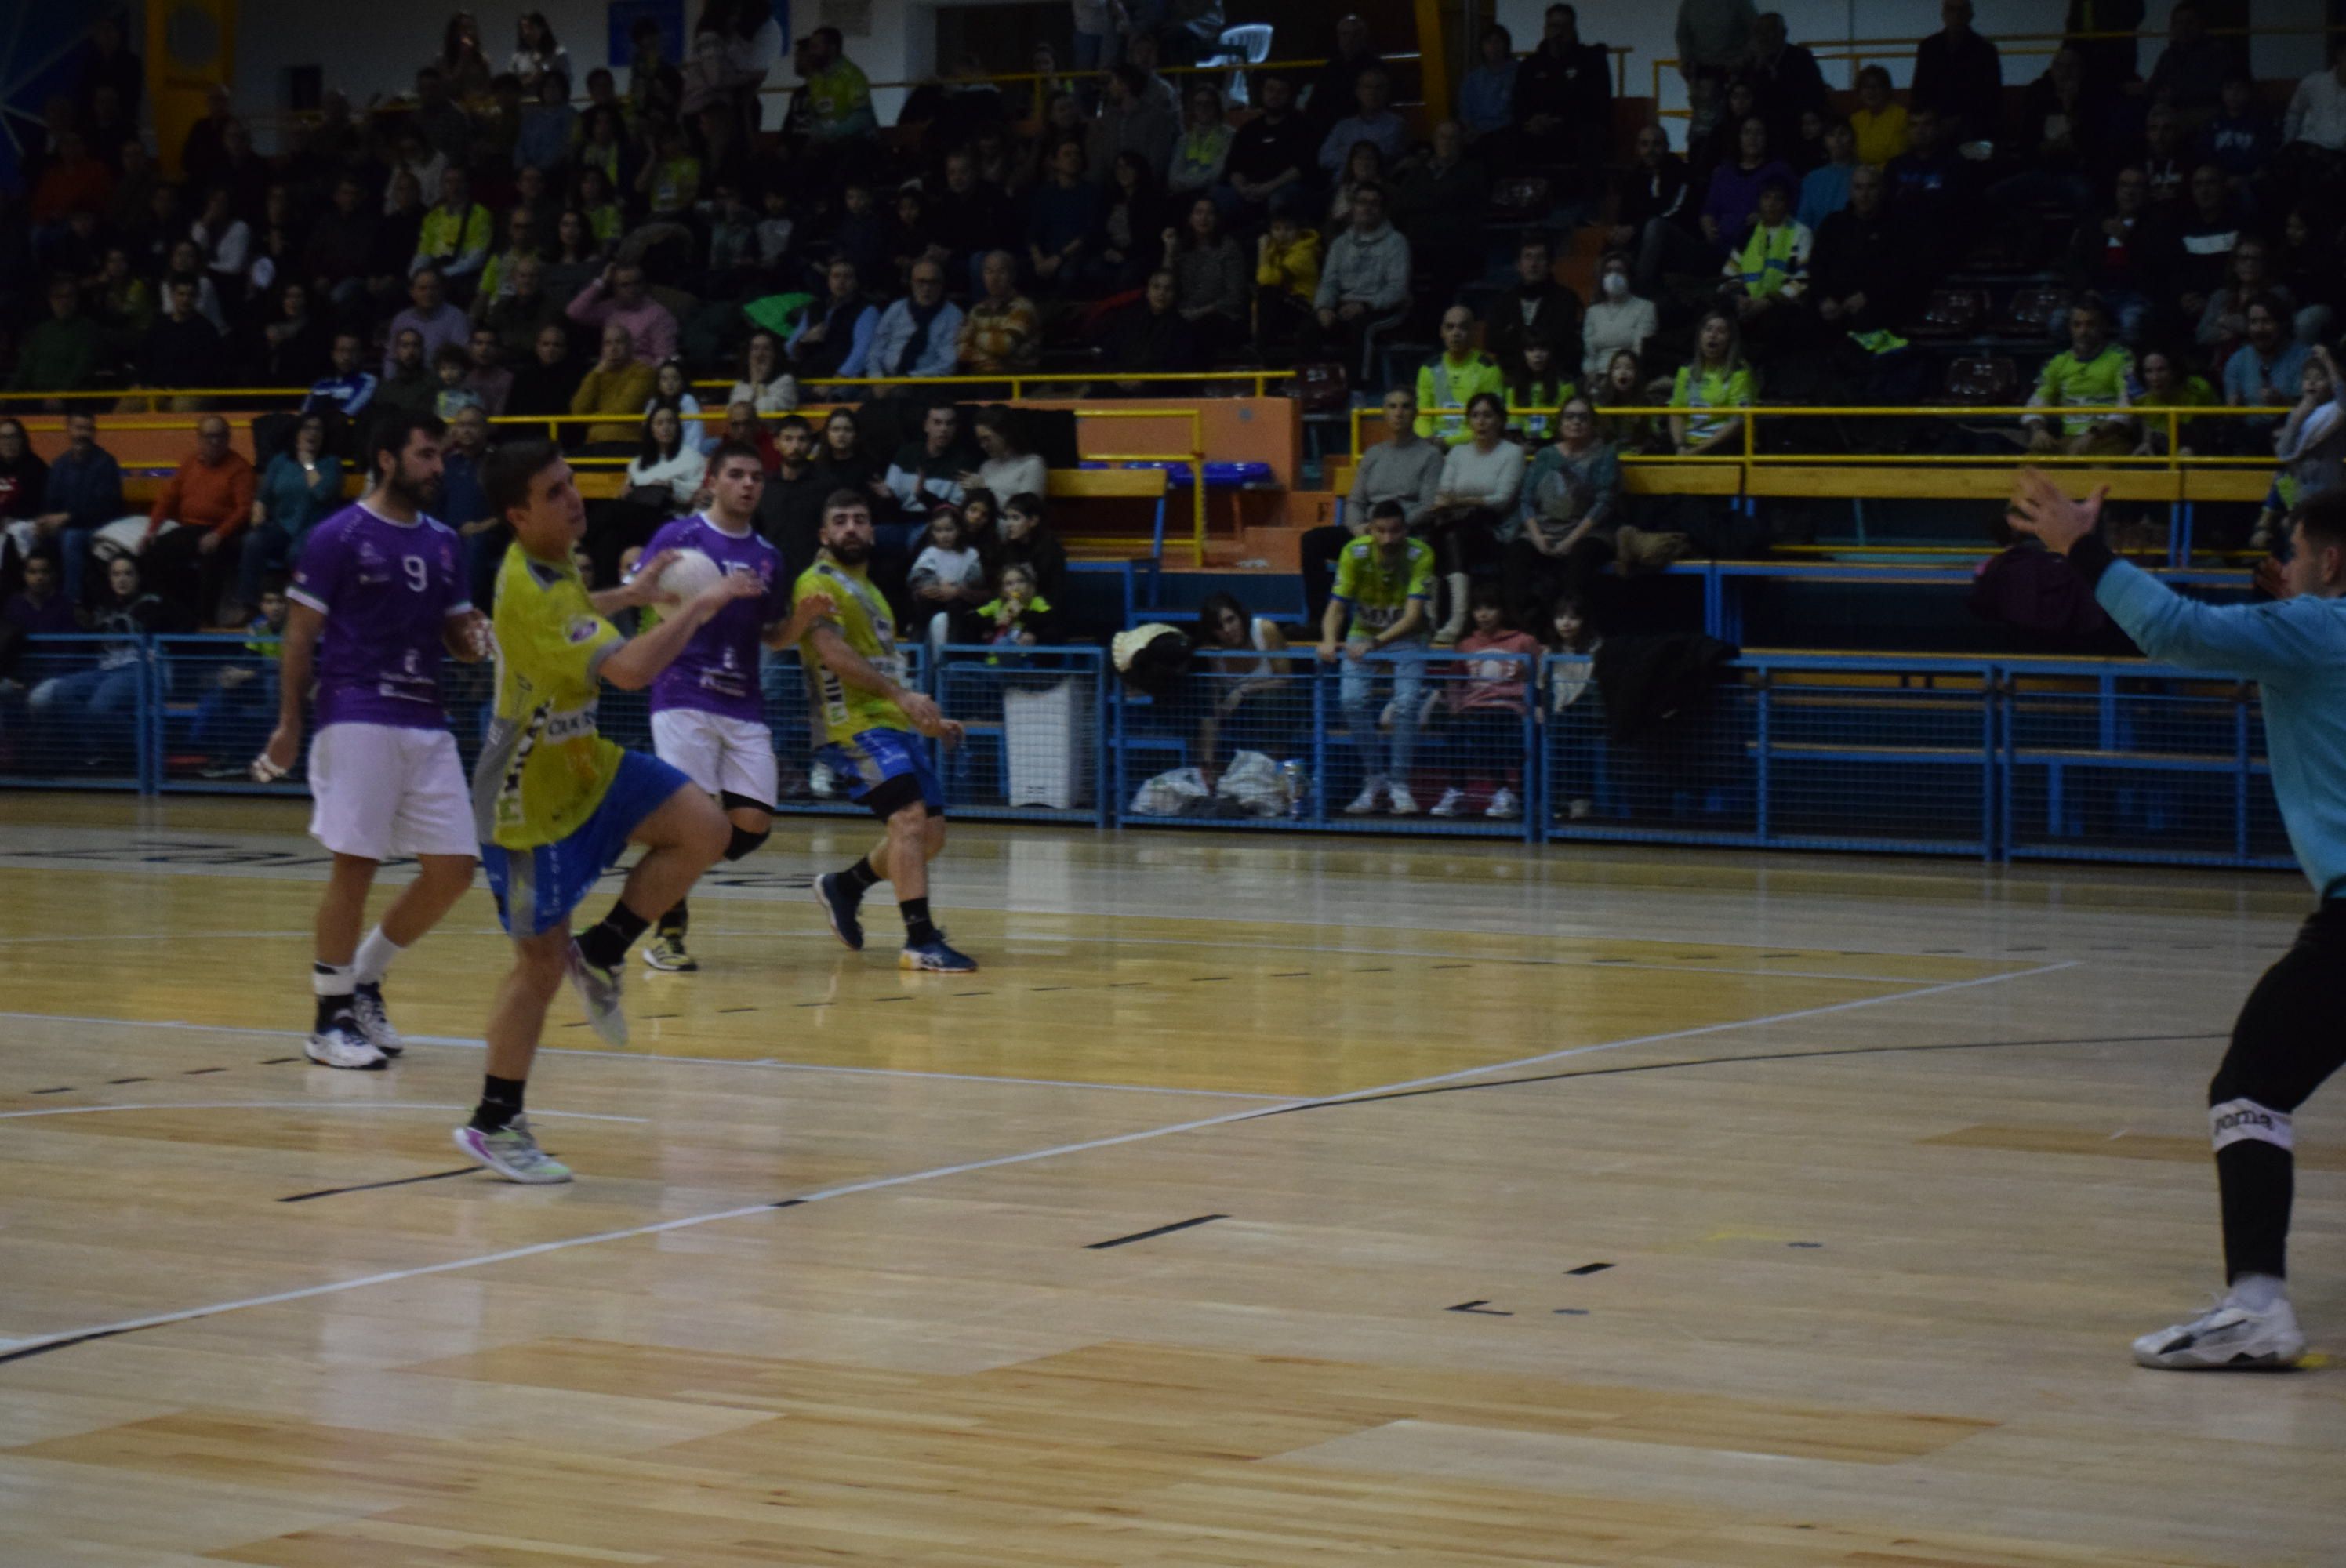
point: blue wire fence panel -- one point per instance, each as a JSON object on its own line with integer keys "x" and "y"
{"x": 1416, "y": 742}
{"x": 2137, "y": 765}
{"x": 73, "y": 712}
{"x": 1030, "y": 721}
{"x": 808, "y": 787}
{"x": 215, "y": 706}
{"x": 1785, "y": 753}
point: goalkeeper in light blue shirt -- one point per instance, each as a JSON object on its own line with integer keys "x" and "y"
{"x": 2290, "y": 1035}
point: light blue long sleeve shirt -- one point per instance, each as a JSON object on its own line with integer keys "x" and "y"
{"x": 894, "y": 335}
{"x": 2296, "y": 650}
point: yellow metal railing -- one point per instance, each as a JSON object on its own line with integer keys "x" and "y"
{"x": 1195, "y": 458}
{"x": 1017, "y": 381}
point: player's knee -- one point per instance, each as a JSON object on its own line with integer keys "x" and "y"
{"x": 909, "y": 821}
{"x": 744, "y": 842}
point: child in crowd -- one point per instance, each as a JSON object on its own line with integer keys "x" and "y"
{"x": 449, "y": 365}
{"x": 1535, "y": 394}
{"x": 981, "y": 516}
{"x": 947, "y": 575}
{"x": 1027, "y": 541}
{"x": 242, "y": 698}
{"x": 1017, "y": 616}
{"x": 1488, "y": 708}
{"x": 1287, "y": 277}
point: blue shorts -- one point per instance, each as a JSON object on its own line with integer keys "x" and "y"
{"x": 887, "y": 770}
{"x": 543, "y": 885}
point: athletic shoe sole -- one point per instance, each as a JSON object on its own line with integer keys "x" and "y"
{"x": 474, "y": 1143}
{"x": 311, "y": 1049}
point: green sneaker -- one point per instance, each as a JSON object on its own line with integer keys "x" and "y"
{"x": 666, "y": 953}
{"x": 513, "y": 1153}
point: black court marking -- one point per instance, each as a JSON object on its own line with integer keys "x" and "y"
{"x": 973, "y": 993}
{"x": 1451, "y": 966}
{"x": 111, "y": 1081}
{"x": 373, "y": 1185}
{"x": 1050, "y": 988}
{"x": 1481, "y": 1307}
{"x": 1804, "y": 1244}
{"x": 277, "y": 1061}
{"x": 1290, "y": 974}
{"x": 1729, "y": 1062}
{"x": 809, "y": 1003}
{"x": 61, "y": 1089}
{"x": 787, "y": 1203}
{"x": 1572, "y": 1312}
{"x": 656, "y": 1017}
{"x": 9, "y": 1355}
{"x": 1144, "y": 1234}
{"x": 200, "y": 1071}
{"x": 1205, "y": 979}
{"x": 890, "y": 999}
{"x": 581, "y": 1024}
{"x": 1589, "y": 1268}
{"x": 737, "y": 1009}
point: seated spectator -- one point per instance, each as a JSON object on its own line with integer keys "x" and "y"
{"x": 1723, "y": 142}
{"x": 1209, "y": 279}
{"x": 62, "y": 352}
{"x": 1403, "y": 468}
{"x": 844, "y": 464}
{"x": 522, "y": 234}
{"x": 1656, "y": 213}
{"x": 294, "y": 348}
{"x": 668, "y": 183}
{"x": 40, "y": 609}
{"x": 1930, "y": 186}
{"x": 1028, "y": 541}
{"x": 668, "y": 472}
{"x": 834, "y": 336}
{"x": 2313, "y": 131}
{"x": 1245, "y": 704}
{"x": 1149, "y": 337}
{"x": 1275, "y": 152}
{"x": 2168, "y": 382}
{"x": 1131, "y": 223}
{"x": 410, "y": 385}
{"x": 1008, "y": 466}
{"x": 1064, "y": 217}
{"x": 302, "y": 487}
{"x": 1624, "y": 386}
{"x": 1372, "y": 120}
{"x": 83, "y": 493}
{"x": 1566, "y": 531}
{"x": 1958, "y": 77}
{"x": 1384, "y": 580}
{"x": 2266, "y": 370}
{"x": 1366, "y": 166}
{"x": 224, "y": 242}
{"x": 2310, "y": 445}
{"x": 618, "y": 296}
{"x": 23, "y": 480}
{"x": 1019, "y": 615}
{"x": 1562, "y": 110}
{"x": 618, "y": 387}
{"x": 1450, "y": 381}
{"x": 928, "y": 473}
{"x": 764, "y": 385}
{"x": 548, "y": 124}
{"x": 547, "y": 379}
{"x": 187, "y": 261}
{"x": 917, "y": 335}
{"x": 1363, "y": 286}
{"x": 1131, "y": 120}
{"x": 207, "y": 502}
{"x": 1824, "y": 189}
{"x": 1862, "y": 270}
{"x": 2095, "y": 372}
{"x": 123, "y": 306}
{"x": 1767, "y": 271}
{"x": 1444, "y": 196}
{"x": 2188, "y": 76}
{"x": 573, "y": 261}
{"x": 485, "y": 375}
{"x": 1286, "y": 276}
{"x": 1486, "y": 712}
{"x": 1536, "y": 310}
{"x": 2124, "y": 256}
{"x": 96, "y": 709}
{"x": 182, "y": 349}
{"x": 1482, "y": 479}
{"x": 1617, "y": 321}
{"x": 1735, "y": 185}
{"x": 2240, "y": 138}
{"x": 1535, "y": 394}
{"x": 1201, "y": 156}
{"x": 2207, "y": 234}
{"x": 435, "y": 321}
{"x": 1718, "y": 378}
{"x": 948, "y": 577}
{"x": 981, "y": 519}
{"x": 1003, "y": 331}
{"x": 742, "y": 424}
{"x": 672, "y": 390}
{"x": 2224, "y": 322}
{"x": 449, "y": 394}
{"x": 455, "y": 237}
{"x": 834, "y": 105}
{"x": 1486, "y": 93}
{"x": 1878, "y": 120}
{"x": 2167, "y": 161}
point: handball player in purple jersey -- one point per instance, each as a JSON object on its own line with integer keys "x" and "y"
{"x": 378, "y": 598}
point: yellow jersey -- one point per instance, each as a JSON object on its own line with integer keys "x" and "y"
{"x": 544, "y": 767}
{"x": 864, "y": 620}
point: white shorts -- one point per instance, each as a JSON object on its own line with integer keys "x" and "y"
{"x": 380, "y": 790}
{"x": 723, "y": 756}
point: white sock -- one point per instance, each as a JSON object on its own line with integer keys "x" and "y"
{"x": 2258, "y": 1292}
{"x": 330, "y": 979}
{"x": 375, "y": 954}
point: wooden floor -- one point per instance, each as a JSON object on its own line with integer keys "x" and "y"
{"x": 1261, "y": 1203}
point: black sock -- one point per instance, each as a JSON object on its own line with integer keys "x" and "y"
{"x": 860, "y": 876}
{"x": 2255, "y": 1182}
{"x": 499, "y": 1102}
{"x": 604, "y": 943}
{"x": 673, "y": 924}
{"x": 330, "y": 1008}
{"x": 918, "y": 932}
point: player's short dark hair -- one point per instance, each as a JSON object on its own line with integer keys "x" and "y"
{"x": 393, "y": 428}
{"x": 1387, "y": 509}
{"x": 729, "y": 448}
{"x": 844, "y": 500}
{"x": 506, "y": 471}
{"x": 2323, "y": 519}
{"x": 792, "y": 422}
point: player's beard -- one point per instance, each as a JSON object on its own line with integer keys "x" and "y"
{"x": 416, "y": 496}
{"x": 850, "y": 552}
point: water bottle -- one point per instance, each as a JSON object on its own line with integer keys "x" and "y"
{"x": 1291, "y": 774}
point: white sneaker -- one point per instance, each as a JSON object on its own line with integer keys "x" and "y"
{"x": 821, "y": 783}
{"x": 366, "y": 1006}
{"x": 1504, "y": 804}
{"x": 1580, "y": 809}
{"x": 599, "y": 990}
{"x": 2226, "y": 1337}
{"x": 1402, "y": 802}
{"x": 1452, "y": 803}
{"x": 341, "y": 1045}
{"x": 1371, "y": 794}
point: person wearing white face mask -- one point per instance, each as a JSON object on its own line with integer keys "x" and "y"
{"x": 1618, "y": 319}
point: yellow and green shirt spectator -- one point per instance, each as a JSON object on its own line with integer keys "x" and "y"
{"x": 457, "y": 243}
{"x": 1445, "y": 386}
{"x": 2103, "y": 380}
{"x": 838, "y": 102}
{"x": 1710, "y": 387}
{"x": 1773, "y": 261}
{"x": 1377, "y": 587}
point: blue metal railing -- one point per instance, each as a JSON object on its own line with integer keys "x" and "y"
{"x": 1997, "y": 758}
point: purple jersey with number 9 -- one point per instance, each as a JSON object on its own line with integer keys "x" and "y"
{"x": 386, "y": 590}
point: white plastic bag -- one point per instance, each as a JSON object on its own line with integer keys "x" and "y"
{"x": 1167, "y": 794}
{"x": 1253, "y": 781}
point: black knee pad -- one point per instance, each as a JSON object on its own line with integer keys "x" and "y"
{"x": 745, "y": 842}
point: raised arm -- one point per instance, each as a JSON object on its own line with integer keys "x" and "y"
{"x": 637, "y": 661}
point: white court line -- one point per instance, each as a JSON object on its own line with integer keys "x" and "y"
{"x": 462, "y": 1042}
{"x": 878, "y": 1184}
{"x": 297, "y": 1106}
